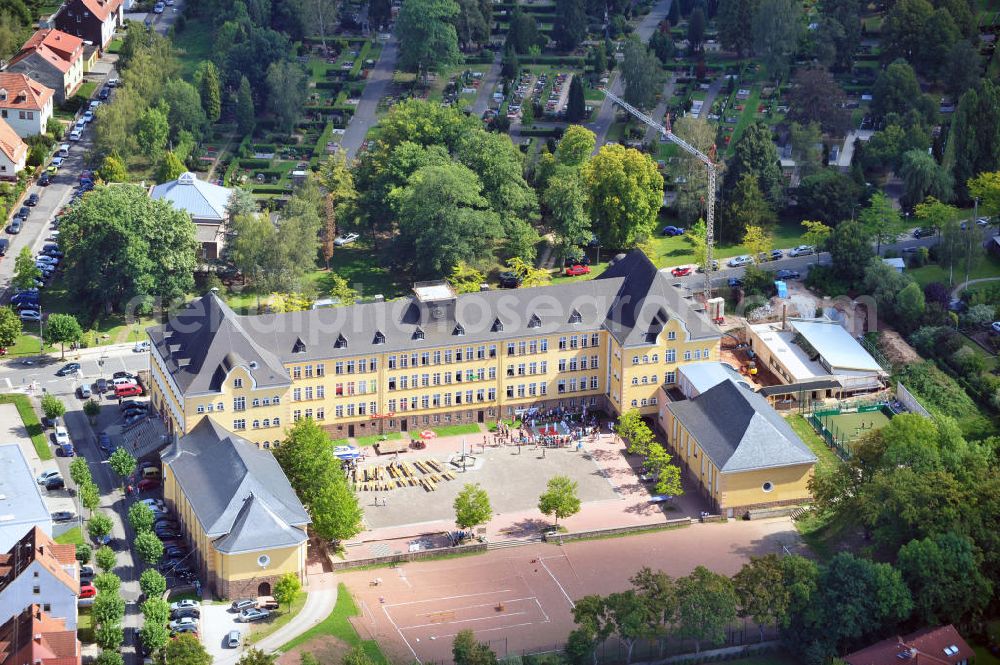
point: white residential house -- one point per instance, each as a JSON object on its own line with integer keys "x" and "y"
{"x": 13, "y": 152}
{"x": 37, "y": 571}
{"x": 25, "y": 104}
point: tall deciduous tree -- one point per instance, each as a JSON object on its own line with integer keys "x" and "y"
{"x": 642, "y": 74}
{"x": 760, "y": 588}
{"x": 880, "y": 220}
{"x": 25, "y": 270}
{"x": 444, "y": 218}
{"x": 149, "y": 547}
{"x": 286, "y": 589}
{"x": 570, "y": 25}
{"x": 186, "y": 649}
{"x": 777, "y": 26}
{"x": 286, "y": 85}
{"x": 816, "y": 97}
{"x": 427, "y": 37}
{"x": 850, "y": 251}
{"x": 152, "y": 131}
{"x": 923, "y": 177}
{"x": 62, "y": 328}
{"x": 152, "y": 583}
{"x": 667, "y": 475}
{"x": 625, "y": 194}
{"x": 340, "y": 196}
{"x": 692, "y": 183}
{"x": 706, "y": 605}
{"x": 733, "y": 18}
{"x": 466, "y": 650}
{"x": 122, "y": 463}
{"x": 472, "y": 507}
{"x": 747, "y": 207}
{"x": 10, "y": 327}
{"x": 141, "y": 517}
{"x": 113, "y": 169}
{"x": 565, "y": 198}
{"x": 815, "y": 233}
{"x": 120, "y": 245}
{"x": 560, "y": 498}
{"x": 944, "y": 575}
{"x": 756, "y": 153}
{"x": 976, "y": 134}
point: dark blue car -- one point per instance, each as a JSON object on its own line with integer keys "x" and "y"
{"x": 672, "y": 231}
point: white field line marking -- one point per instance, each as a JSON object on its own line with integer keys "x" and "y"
{"x": 388, "y": 616}
{"x": 489, "y": 630}
{"x": 472, "y": 607}
{"x": 434, "y": 600}
{"x": 402, "y": 576}
{"x": 457, "y": 621}
{"x": 566, "y": 595}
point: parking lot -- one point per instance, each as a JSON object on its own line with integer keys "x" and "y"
{"x": 216, "y": 622}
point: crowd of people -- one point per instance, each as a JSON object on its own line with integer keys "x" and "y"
{"x": 550, "y": 428}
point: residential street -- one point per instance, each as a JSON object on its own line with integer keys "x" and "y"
{"x": 487, "y": 86}
{"x": 365, "y": 115}
{"x": 606, "y": 113}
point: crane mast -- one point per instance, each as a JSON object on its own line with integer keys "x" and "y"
{"x": 709, "y": 167}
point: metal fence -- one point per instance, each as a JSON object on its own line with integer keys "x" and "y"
{"x": 912, "y": 404}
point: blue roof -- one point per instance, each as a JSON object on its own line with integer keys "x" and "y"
{"x": 835, "y": 345}
{"x": 202, "y": 200}
{"x": 21, "y": 499}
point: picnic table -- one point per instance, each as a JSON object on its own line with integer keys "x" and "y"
{"x": 393, "y": 446}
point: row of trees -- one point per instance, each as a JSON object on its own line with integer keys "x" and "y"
{"x": 641, "y": 441}
{"x": 560, "y": 500}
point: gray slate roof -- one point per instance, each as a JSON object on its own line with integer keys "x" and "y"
{"x": 202, "y": 200}
{"x": 631, "y": 299}
{"x": 219, "y": 472}
{"x": 739, "y": 431}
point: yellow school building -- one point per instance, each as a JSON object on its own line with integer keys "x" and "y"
{"x": 243, "y": 521}
{"x": 431, "y": 359}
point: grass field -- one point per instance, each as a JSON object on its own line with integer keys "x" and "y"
{"x": 850, "y": 426}
{"x": 339, "y": 626}
{"x": 664, "y": 251}
{"x": 372, "y": 439}
{"x": 72, "y": 537}
{"x": 261, "y": 630}
{"x": 194, "y": 44}
{"x": 987, "y": 266}
{"x": 826, "y": 458}
{"x": 31, "y": 423}
{"x": 456, "y": 430}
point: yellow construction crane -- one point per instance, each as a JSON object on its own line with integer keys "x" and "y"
{"x": 709, "y": 167}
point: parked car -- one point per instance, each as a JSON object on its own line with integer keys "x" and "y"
{"x": 44, "y": 180}
{"x": 233, "y": 639}
{"x": 185, "y": 621}
{"x": 128, "y": 391}
{"x": 61, "y": 436}
{"x": 87, "y": 573}
{"x": 76, "y": 134}
{"x": 101, "y": 386}
{"x": 23, "y": 212}
{"x": 15, "y": 226}
{"x": 56, "y": 483}
{"x": 104, "y": 93}
{"x": 154, "y": 503}
{"x": 254, "y": 614}
{"x": 345, "y": 239}
{"x": 45, "y": 476}
{"x": 124, "y": 375}
{"x": 68, "y": 368}
{"x": 776, "y": 254}
{"x": 267, "y": 603}
{"x": 787, "y": 274}
{"x": 983, "y": 221}
{"x": 104, "y": 443}
{"x": 671, "y": 231}
{"x": 242, "y": 604}
{"x": 140, "y": 347}
{"x": 83, "y": 391}
{"x": 31, "y": 201}
{"x": 187, "y": 603}
{"x": 574, "y": 271}
{"x": 186, "y": 613}
{"x": 509, "y": 280}
{"x": 147, "y": 484}
{"x": 802, "y": 250}
{"x": 158, "y": 8}
{"x": 921, "y": 233}
{"x": 88, "y": 116}
{"x": 735, "y": 282}
{"x": 681, "y": 271}
{"x": 63, "y": 516}
{"x": 66, "y": 450}
{"x": 737, "y": 261}
{"x": 87, "y": 591}
{"x": 24, "y": 297}
{"x": 571, "y": 261}
{"x": 995, "y": 327}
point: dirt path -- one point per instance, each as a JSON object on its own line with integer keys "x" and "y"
{"x": 957, "y": 291}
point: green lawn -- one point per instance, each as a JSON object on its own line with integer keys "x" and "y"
{"x": 338, "y": 625}
{"x": 363, "y": 270}
{"x": 987, "y": 266}
{"x": 261, "y": 630}
{"x": 664, "y": 251}
{"x": 984, "y": 657}
{"x": 827, "y": 460}
{"x": 85, "y": 625}
{"x": 456, "y": 430}
{"x": 115, "y": 46}
{"x": 86, "y": 89}
{"x": 72, "y": 537}
{"x": 747, "y": 116}
{"x": 372, "y": 439}
{"x": 31, "y": 423}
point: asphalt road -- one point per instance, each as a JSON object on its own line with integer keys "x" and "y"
{"x": 379, "y": 79}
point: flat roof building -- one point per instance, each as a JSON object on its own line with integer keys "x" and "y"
{"x": 21, "y": 504}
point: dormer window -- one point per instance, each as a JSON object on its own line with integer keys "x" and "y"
{"x": 418, "y": 333}
{"x": 3, "y": 94}
{"x": 497, "y": 326}
{"x": 575, "y": 317}
{"x": 341, "y": 342}
{"x": 299, "y": 347}
{"x": 379, "y": 337}
{"x": 459, "y": 330}
{"x": 534, "y": 321}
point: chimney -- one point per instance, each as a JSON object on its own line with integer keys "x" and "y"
{"x": 38, "y": 637}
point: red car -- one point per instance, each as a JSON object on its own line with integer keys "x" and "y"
{"x": 148, "y": 484}
{"x": 87, "y": 591}
{"x": 128, "y": 390}
{"x": 681, "y": 271}
{"x": 573, "y": 271}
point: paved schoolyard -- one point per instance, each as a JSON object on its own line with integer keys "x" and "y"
{"x": 521, "y": 598}
{"x": 514, "y": 479}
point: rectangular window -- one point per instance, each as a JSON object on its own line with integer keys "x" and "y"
{"x": 237, "y": 383}
{"x": 239, "y": 424}
{"x": 320, "y": 392}
{"x": 425, "y": 358}
{"x": 392, "y": 405}
{"x": 562, "y": 343}
{"x": 491, "y": 394}
{"x": 437, "y": 357}
{"x": 573, "y": 342}
{"x": 481, "y": 352}
{"x": 522, "y": 348}
{"x": 544, "y": 345}
{"x": 533, "y": 346}
{"x": 361, "y": 409}
{"x": 296, "y": 394}
{"x": 671, "y": 356}
{"x": 510, "y": 348}
{"x": 671, "y": 335}
{"x": 309, "y": 371}
{"x": 392, "y": 362}
{"x": 350, "y": 410}
{"x": 338, "y": 411}
{"x": 321, "y": 370}
{"x": 543, "y": 367}
{"x": 239, "y": 404}
{"x": 201, "y": 408}
{"x": 362, "y": 366}
{"x": 561, "y": 386}
{"x": 255, "y": 402}
{"x": 687, "y": 355}
{"x": 493, "y": 372}
{"x": 296, "y": 372}
{"x": 338, "y": 368}
{"x": 321, "y": 414}
{"x": 671, "y": 377}
{"x": 593, "y": 383}
{"x": 350, "y": 367}
{"x": 309, "y": 413}
{"x": 309, "y": 392}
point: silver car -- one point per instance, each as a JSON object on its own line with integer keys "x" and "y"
{"x": 233, "y": 639}
{"x": 802, "y": 250}
{"x": 738, "y": 261}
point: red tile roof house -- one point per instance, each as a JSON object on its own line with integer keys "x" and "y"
{"x": 54, "y": 59}
{"x": 37, "y": 571}
{"x": 928, "y": 646}
{"x": 35, "y": 638}
{"x": 13, "y": 152}
{"x": 25, "y": 104}
{"x": 94, "y": 21}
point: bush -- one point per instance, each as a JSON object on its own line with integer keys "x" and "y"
{"x": 83, "y": 552}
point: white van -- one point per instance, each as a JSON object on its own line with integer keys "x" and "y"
{"x": 122, "y": 382}
{"x": 63, "y": 151}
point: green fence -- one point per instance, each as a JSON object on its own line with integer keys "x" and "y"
{"x": 837, "y": 438}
